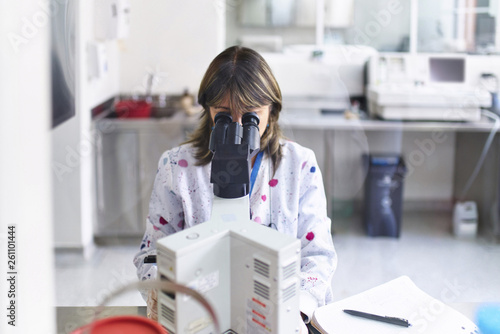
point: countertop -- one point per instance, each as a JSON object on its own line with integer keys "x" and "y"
{"x": 308, "y": 122}
{"x": 70, "y": 318}
{"x": 307, "y": 119}
{"x": 178, "y": 119}
{"x": 339, "y": 122}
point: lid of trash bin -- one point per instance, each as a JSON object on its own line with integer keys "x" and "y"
{"x": 384, "y": 160}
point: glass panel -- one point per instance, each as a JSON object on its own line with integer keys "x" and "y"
{"x": 456, "y": 26}
{"x": 252, "y": 13}
{"x": 282, "y": 13}
{"x": 267, "y": 25}
{"x": 382, "y": 24}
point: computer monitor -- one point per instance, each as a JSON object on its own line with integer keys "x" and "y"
{"x": 447, "y": 69}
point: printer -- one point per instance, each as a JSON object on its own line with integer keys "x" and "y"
{"x": 434, "y": 87}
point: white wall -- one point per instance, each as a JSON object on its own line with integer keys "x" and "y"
{"x": 25, "y": 187}
{"x": 73, "y": 143}
{"x": 178, "y": 39}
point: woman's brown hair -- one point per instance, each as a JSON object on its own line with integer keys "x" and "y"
{"x": 242, "y": 75}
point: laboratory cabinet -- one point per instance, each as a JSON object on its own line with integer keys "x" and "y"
{"x": 126, "y": 161}
{"x": 117, "y": 184}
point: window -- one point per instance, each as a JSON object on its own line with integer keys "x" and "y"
{"x": 457, "y": 26}
{"x": 386, "y": 25}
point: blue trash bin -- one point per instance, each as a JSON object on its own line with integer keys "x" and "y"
{"x": 383, "y": 198}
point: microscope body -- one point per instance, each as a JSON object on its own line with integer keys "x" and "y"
{"x": 248, "y": 272}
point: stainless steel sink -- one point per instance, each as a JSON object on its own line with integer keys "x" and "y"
{"x": 164, "y": 111}
{"x": 162, "y": 106}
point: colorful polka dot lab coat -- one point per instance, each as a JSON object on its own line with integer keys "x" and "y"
{"x": 292, "y": 202}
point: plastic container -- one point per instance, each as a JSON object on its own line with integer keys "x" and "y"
{"x": 132, "y": 324}
{"x": 383, "y": 202}
{"x": 488, "y": 319}
{"x": 133, "y": 109}
{"x": 122, "y": 325}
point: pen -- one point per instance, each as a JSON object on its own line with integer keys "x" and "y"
{"x": 389, "y": 320}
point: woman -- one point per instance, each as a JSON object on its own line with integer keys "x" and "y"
{"x": 287, "y": 195}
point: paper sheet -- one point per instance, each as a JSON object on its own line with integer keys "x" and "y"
{"x": 398, "y": 298}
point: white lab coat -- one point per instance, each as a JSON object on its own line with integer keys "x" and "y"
{"x": 292, "y": 202}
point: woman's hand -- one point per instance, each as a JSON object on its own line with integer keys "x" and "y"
{"x": 152, "y": 305}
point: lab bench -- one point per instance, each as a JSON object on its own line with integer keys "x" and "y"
{"x": 338, "y": 122}
{"x": 70, "y": 318}
{"x": 440, "y": 157}
{"x": 128, "y": 151}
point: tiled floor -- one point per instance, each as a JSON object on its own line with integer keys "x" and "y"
{"x": 82, "y": 282}
{"x": 455, "y": 270}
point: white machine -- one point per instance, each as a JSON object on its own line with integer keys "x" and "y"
{"x": 424, "y": 87}
{"x": 315, "y": 80}
{"x": 249, "y": 272}
{"x": 465, "y": 219}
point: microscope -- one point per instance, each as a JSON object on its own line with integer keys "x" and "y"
{"x": 247, "y": 271}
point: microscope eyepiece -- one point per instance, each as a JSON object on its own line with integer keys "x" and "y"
{"x": 223, "y": 117}
{"x": 250, "y": 118}
{"x": 251, "y": 134}
{"x": 219, "y": 132}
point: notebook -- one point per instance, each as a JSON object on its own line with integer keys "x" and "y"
{"x": 397, "y": 298}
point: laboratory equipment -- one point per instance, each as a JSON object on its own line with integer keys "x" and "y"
{"x": 424, "y": 87}
{"x": 320, "y": 80}
{"x": 490, "y": 82}
{"x": 465, "y": 219}
{"x": 249, "y": 272}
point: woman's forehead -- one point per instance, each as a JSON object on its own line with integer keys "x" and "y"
{"x": 235, "y": 101}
